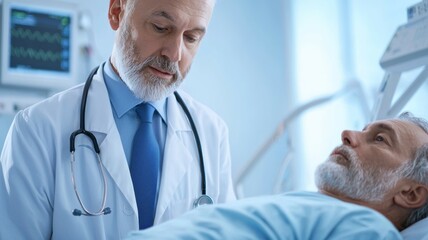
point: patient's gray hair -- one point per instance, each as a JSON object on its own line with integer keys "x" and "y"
{"x": 417, "y": 169}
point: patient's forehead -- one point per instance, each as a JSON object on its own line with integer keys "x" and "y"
{"x": 407, "y": 133}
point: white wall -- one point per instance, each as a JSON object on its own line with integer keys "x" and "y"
{"x": 242, "y": 71}
{"x": 261, "y": 59}
{"x": 337, "y": 41}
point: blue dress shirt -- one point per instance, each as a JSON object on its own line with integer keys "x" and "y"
{"x": 123, "y": 103}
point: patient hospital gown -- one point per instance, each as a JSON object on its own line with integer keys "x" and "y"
{"x": 294, "y": 215}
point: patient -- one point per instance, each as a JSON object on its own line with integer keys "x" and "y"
{"x": 371, "y": 187}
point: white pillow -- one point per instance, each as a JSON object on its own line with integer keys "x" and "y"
{"x": 419, "y": 230}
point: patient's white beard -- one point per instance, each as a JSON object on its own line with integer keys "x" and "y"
{"x": 355, "y": 181}
{"x": 144, "y": 85}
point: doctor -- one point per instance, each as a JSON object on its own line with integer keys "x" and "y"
{"x": 48, "y": 193}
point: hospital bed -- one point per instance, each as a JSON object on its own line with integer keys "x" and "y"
{"x": 407, "y": 51}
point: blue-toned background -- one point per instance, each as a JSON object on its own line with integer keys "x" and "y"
{"x": 262, "y": 59}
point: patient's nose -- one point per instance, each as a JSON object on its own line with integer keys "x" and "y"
{"x": 349, "y": 138}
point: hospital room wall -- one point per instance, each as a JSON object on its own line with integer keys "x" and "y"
{"x": 242, "y": 71}
{"x": 337, "y": 42}
{"x": 259, "y": 61}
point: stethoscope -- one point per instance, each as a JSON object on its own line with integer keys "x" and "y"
{"x": 202, "y": 200}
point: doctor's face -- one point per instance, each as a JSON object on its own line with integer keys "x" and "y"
{"x": 156, "y": 41}
{"x": 367, "y": 165}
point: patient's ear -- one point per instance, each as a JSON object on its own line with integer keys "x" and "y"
{"x": 412, "y": 195}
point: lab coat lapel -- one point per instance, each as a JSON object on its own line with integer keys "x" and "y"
{"x": 177, "y": 156}
{"x": 99, "y": 119}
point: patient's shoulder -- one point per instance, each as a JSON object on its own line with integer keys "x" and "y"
{"x": 332, "y": 218}
{"x": 419, "y": 230}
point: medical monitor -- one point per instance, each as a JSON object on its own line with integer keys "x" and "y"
{"x": 38, "y": 44}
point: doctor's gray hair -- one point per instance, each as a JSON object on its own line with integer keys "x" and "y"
{"x": 130, "y": 4}
{"x": 417, "y": 169}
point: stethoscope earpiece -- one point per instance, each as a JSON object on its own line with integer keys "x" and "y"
{"x": 77, "y": 212}
{"x": 105, "y": 211}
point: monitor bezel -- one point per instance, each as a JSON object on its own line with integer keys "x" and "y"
{"x": 41, "y": 79}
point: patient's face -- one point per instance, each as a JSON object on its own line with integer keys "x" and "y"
{"x": 366, "y": 166}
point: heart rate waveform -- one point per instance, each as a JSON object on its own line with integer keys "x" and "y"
{"x": 36, "y": 54}
{"x": 31, "y": 35}
{"x": 39, "y": 41}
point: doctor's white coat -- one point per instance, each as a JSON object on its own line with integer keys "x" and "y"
{"x": 36, "y": 192}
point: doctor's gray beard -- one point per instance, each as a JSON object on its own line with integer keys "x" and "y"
{"x": 354, "y": 180}
{"x": 145, "y": 86}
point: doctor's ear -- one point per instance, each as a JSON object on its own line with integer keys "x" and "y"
{"x": 115, "y": 13}
{"x": 412, "y": 196}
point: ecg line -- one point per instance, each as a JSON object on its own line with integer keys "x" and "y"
{"x": 20, "y": 52}
{"x": 36, "y": 35}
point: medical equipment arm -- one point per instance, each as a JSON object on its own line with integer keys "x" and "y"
{"x": 407, "y": 50}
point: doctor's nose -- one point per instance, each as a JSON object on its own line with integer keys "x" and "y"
{"x": 350, "y": 138}
{"x": 172, "y": 49}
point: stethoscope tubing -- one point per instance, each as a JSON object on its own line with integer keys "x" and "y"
{"x": 198, "y": 142}
{"x": 203, "y": 199}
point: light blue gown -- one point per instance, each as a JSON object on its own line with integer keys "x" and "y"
{"x": 295, "y": 215}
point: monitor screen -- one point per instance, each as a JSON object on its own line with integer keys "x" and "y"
{"x": 39, "y": 46}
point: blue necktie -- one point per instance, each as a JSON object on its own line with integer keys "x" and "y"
{"x": 145, "y": 166}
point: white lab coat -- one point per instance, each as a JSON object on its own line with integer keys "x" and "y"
{"x": 36, "y": 191}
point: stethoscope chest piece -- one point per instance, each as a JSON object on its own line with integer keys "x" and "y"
{"x": 203, "y": 200}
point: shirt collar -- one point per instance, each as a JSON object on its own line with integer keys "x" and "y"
{"x": 122, "y": 98}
